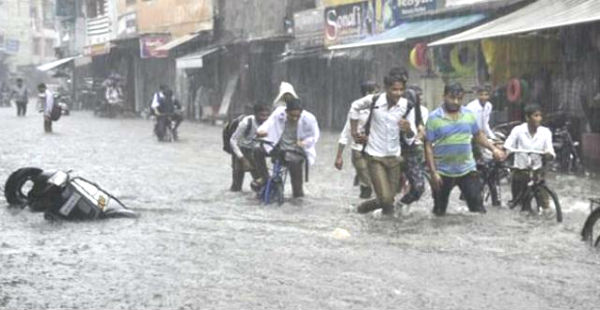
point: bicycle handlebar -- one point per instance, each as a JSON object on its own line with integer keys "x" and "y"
{"x": 525, "y": 151}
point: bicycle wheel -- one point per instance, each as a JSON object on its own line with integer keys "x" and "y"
{"x": 537, "y": 200}
{"x": 168, "y": 134}
{"x": 591, "y": 228}
{"x": 277, "y": 193}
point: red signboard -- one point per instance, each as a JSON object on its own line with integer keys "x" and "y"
{"x": 149, "y": 44}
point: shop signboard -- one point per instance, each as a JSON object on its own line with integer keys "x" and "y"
{"x": 149, "y": 44}
{"x": 349, "y": 22}
{"x": 11, "y": 46}
{"x": 308, "y": 29}
{"x": 96, "y": 49}
{"x": 392, "y": 12}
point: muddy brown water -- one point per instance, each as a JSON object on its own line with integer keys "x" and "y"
{"x": 198, "y": 246}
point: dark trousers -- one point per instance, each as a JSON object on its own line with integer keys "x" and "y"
{"x": 470, "y": 186}
{"x": 413, "y": 169}
{"x": 47, "y": 124}
{"x": 296, "y": 177}
{"x": 21, "y": 108}
{"x": 257, "y": 170}
{"x": 520, "y": 179}
{"x": 294, "y": 168}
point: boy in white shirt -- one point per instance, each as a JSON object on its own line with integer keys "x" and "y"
{"x": 482, "y": 108}
{"x": 244, "y": 146}
{"x": 529, "y": 136}
{"x": 296, "y": 131}
{"x": 359, "y": 161}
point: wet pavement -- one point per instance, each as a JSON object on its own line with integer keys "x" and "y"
{"x": 198, "y": 246}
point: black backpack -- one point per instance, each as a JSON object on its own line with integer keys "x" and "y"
{"x": 230, "y": 128}
{"x": 56, "y": 110}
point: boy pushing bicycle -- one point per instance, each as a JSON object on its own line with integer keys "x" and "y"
{"x": 537, "y": 140}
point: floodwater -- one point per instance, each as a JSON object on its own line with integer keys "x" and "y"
{"x": 198, "y": 246}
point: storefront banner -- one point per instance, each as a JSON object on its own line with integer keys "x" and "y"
{"x": 392, "y": 12}
{"x": 96, "y": 49}
{"x": 349, "y": 22}
{"x": 149, "y": 44}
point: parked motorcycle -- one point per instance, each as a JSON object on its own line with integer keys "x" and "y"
{"x": 566, "y": 148}
{"x": 64, "y": 102}
{"x": 61, "y": 196}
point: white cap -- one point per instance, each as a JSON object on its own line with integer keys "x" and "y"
{"x": 285, "y": 88}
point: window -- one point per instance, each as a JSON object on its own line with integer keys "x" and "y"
{"x": 49, "y": 48}
{"x": 95, "y": 8}
{"x": 37, "y": 47}
{"x": 48, "y": 14}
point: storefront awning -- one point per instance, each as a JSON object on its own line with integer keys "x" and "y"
{"x": 55, "y": 64}
{"x": 194, "y": 60}
{"x": 540, "y": 15}
{"x": 177, "y": 41}
{"x": 415, "y": 29}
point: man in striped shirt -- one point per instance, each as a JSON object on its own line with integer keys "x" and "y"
{"x": 449, "y": 153}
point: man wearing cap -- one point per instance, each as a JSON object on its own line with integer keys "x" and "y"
{"x": 449, "y": 153}
{"x": 359, "y": 160}
{"x": 286, "y": 93}
{"x": 295, "y": 130}
{"x": 21, "y": 96}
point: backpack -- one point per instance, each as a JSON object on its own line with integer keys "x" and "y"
{"x": 56, "y": 111}
{"x": 230, "y": 128}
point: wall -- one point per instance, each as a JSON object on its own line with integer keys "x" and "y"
{"x": 15, "y": 24}
{"x": 100, "y": 29}
{"x": 177, "y": 17}
{"x": 252, "y": 19}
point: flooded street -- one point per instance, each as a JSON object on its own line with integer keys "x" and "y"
{"x": 198, "y": 246}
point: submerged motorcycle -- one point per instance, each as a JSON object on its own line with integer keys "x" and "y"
{"x": 61, "y": 196}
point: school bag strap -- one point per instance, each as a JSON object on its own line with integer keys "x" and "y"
{"x": 369, "y": 119}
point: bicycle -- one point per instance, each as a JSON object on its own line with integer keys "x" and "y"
{"x": 165, "y": 128}
{"x": 274, "y": 188}
{"x": 536, "y": 187}
{"x": 587, "y": 233}
{"x": 567, "y": 152}
{"x": 491, "y": 173}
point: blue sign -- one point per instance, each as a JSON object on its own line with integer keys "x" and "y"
{"x": 394, "y": 11}
{"x": 11, "y": 46}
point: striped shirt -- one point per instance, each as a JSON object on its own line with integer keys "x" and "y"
{"x": 451, "y": 141}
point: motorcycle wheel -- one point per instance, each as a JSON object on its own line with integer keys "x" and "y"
{"x": 13, "y": 189}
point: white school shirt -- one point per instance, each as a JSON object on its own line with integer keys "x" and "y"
{"x": 521, "y": 139}
{"x": 482, "y": 114}
{"x": 384, "y": 135}
{"x": 240, "y": 139}
{"x": 155, "y": 100}
{"x": 48, "y": 102}
{"x": 308, "y": 131}
{"x": 346, "y": 135}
